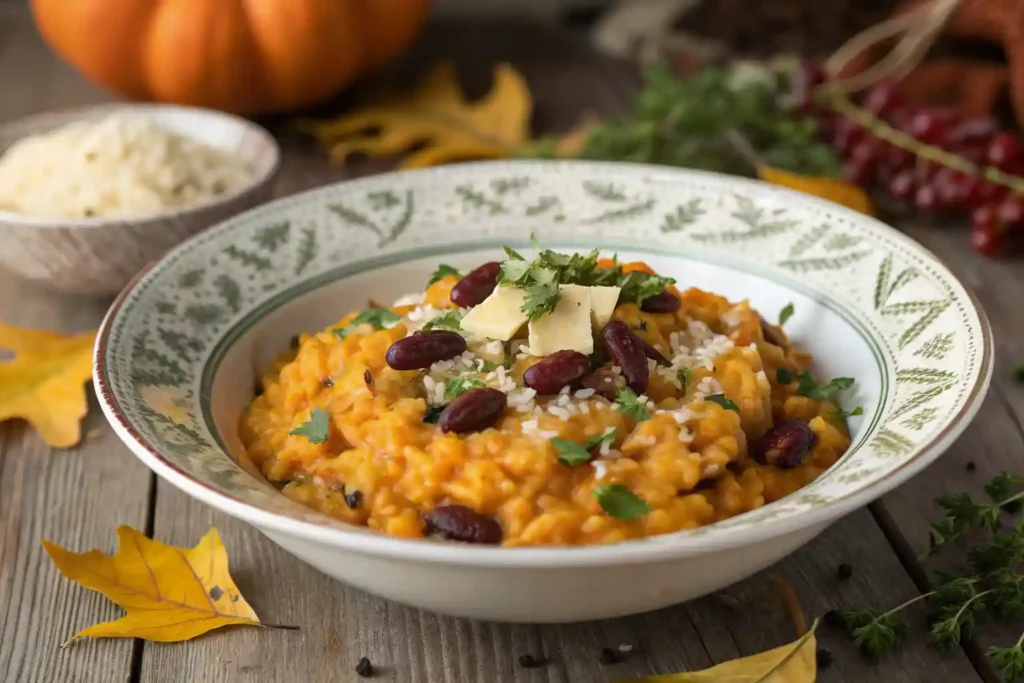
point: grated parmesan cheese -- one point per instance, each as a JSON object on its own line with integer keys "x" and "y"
{"x": 121, "y": 165}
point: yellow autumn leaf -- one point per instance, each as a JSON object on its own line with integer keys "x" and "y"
{"x": 45, "y": 382}
{"x": 832, "y": 189}
{"x": 168, "y": 594}
{"x": 437, "y": 116}
{"x": 793, "y": 663}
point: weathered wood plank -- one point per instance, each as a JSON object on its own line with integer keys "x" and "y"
{"x": 75, "y": 497}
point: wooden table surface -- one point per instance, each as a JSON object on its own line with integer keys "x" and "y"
{"x": 78, "y": 497}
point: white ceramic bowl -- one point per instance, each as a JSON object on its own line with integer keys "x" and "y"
{"x": 179, "y": 351}
{"x": 100, "y": 255}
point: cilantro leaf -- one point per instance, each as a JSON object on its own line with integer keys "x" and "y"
{"x": 443, "y": 271}
{"x": 786, "y": 313}
{"x": 1009, "y": 659}
{"x": 630, "y": 404}
{"x": 723, "y": 401}
{"x": 841, "y": 414}
{"x": 571, "y": 453}
{"x": 377, "y": 317}
{"x": 540, "y": 300}
{"x": 824, "y": 391}
{"x": 685, "y": 376}
{"x": 513, "y": 254}
{"x": 484, "y": 365}
{"x": 597, "y": 441}
{"x": 457, "y": 386}
{"x": 638, "y": 285}
{"x": 513, "y": 272}
{"x": 316, "y": 428}
{"x": 449, "y": 320}
{"x": 620, "y": 502}
{"x": 783, "y": 375}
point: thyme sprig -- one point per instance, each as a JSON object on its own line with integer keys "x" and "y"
{"x": 987, "y": 584}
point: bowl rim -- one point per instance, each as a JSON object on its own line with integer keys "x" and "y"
{"x": 61, "y": 117}
{"x": 665, "y": 547}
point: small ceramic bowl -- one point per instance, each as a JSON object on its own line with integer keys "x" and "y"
{"x": 100, "y": 255}
{"x": 179, "y": 352}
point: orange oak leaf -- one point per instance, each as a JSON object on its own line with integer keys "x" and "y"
{"x": 45, "y": 382}
{"x": 169, "y": 594}
{"x": 436, "y": 116}
{"x": 831, "y": 189}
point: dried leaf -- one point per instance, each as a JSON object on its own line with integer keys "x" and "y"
{"x": 436, "y": 116}
{"x": 793, "y": 663}
{"x": 44, "y": 383}
{"x": 831, "y": 189}
{"x": 169, "y": 594}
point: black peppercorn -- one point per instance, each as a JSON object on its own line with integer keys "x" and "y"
{"x": 353, "y": 499}
{"x": 833, "y": 618}
{"x": 528, "y": 661}
{"x": 824, "y": 658}
{"x": 970, "y": 466}
{"x": 609, "y": 656}
{"x": 364, "y": 668}
{"x": 844, "y": 571}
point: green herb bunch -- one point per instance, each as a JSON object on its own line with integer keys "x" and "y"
{"x": 988, "y": 584}
{"x": 541, "y": 277}
{"x": 689, "y": 121}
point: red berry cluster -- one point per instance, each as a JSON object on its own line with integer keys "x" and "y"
{"x": 870, "y": 161}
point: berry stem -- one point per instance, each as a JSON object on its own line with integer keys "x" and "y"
{"x": 897, "y": 138}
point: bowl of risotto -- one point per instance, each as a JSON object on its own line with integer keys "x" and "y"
{"x": 543, "y": 391}
{"x": 88, "y": 197}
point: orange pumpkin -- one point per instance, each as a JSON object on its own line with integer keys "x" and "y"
{"x": 241, "y": 56}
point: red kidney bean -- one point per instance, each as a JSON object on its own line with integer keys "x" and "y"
{"x": 666, "y": 302}
{"x": 602, "y": 381}
{"x": 625, "y": 349}
{"x": 556, "y": 371}
{"x": 473, "y": 411}
{"x": 651, "y": 352}
{"x": 460, "y": 523}
{"x": 423, "y": 349}
{"x": 785, "y": 445}
{"x": 476, "y": 286}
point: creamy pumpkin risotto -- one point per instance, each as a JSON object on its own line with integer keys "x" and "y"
{"x": 565, "y": 400}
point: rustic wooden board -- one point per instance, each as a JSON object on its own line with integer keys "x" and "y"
{"x": 79, "y": 497}
{"x": 75, "y": 497}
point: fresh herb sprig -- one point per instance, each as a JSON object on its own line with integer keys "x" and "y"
{"x": 628, "y": 403}
{"x": 378, "y": 318}
{"x": 806, "y": 386}
{"x": 572, "y": 454}
{"x": 449, "y": 320}
{"x": 988, "y": 583}
{"x": 443, "y": 271}
{"x": 542, "y": 277}
{"x": 688, "y": 121}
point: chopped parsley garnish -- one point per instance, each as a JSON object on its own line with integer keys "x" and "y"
{"x": 433, "y": 414}
{"x": 572, "y": 454}
{"x": 377, "y": 317}
{"x": 542, "y": 277}
{"x": 457, "y": 386}
{"x": 484, "y": 365}
{"x": 315, "y": 429}
{"x": 806, "y": 386}
{"x": 722, "y": 400}
{"x": 786, "y": 313}
{"x": 638, "y": 285}
{"x": 540, "y": 300}
{"x": 620, "y": 502}
{"x": 443, "y": 271}
{"x": 449, "y": 320}
{"x": 841, "y": 414}
{"x": 685, "y": 376}
{"x": 630, "y": 404}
